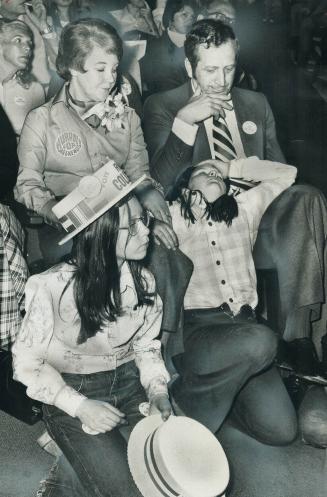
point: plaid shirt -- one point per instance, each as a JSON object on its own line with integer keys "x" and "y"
{"x": 13, "y": 276}
{"x": 222, "y": 256}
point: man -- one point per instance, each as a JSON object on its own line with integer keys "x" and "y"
{"x": 207, "y": 118}
{"x": 17, "y": 9}
{"x": 227, "y": 352}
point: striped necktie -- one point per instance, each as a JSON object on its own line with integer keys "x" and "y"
{"x": 224, "y": 149}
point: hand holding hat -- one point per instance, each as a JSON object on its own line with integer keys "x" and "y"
{"x": 161, "y": 404}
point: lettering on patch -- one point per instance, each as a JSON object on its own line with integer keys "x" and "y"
{"x": 68, "y": 144}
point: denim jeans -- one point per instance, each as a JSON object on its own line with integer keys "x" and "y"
{"x": 99, "y": 461}
{"x": 227, "y": 364}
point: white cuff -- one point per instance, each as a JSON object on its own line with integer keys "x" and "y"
{"x": 184, "y": 131}
{"x": 68, "y": 400}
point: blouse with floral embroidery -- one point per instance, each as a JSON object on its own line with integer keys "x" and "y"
{"x": 47, "y": 343}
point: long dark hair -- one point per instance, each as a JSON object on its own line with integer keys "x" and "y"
{"x": 225, "y": 208}
{"x": 53, "y": 12}
{"x": 96, "y": 278}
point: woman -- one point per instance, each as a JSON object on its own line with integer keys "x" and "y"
{"x": 88, "y": 348}
{"x": 163, "y": 67}
{"x": 83, "y": 126}
{"x": 61, "y": 12}
{"x": 20, "y": 92}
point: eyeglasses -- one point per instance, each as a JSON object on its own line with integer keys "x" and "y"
{"x": 134, "y": 226}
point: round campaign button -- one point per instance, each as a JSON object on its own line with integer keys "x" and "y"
{"x": 90, "y": 186}
{"x": 249, "y": 127}
{"x": 68, "y": 144}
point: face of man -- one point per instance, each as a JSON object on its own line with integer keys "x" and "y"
{"x": 12, "y": 8}
{"x": 215, "y": 69}
{"x": 16, "y": 49}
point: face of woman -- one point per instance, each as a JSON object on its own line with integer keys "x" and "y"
{"x": 208, "y": 180}
{"x": 133, "y": 236}
{"x": 16, "y": 49}
{"x": 183, "y": 20}
{"x": 95, "y": 84}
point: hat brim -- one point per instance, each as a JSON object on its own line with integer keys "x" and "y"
{"x": 135, "y": 455}
{"x": 108, "y": 206}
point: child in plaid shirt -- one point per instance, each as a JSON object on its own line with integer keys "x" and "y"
{"x": 224, "y": 344}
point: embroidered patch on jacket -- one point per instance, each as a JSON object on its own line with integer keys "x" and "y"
{"x": 68, "y": 144}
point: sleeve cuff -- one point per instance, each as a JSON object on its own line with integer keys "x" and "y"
{"x": 184, "y": 131}
{"x": 68, "y": 400}
{"x": 158, "y": 386}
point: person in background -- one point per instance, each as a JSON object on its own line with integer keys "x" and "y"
{"x": 61, "y": 12}
{"x": 18, "y": 9}
{"x": 19, "y": 90}
{"x": 134, "y": 21}
{"x": 163, "y": 66}
{"x": 88, "y": 349}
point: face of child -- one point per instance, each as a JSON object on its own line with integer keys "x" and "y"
{"x": 209, "y": 181}
{"x": 98, "y": 79}
{"x": 16, "y": 49}
{"x": 183, "y": 20}
{"x": 133, "y": 236}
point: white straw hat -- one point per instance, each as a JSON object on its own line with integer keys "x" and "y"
{"x": 176, "y": 458}
{"x": 94, "y": 195}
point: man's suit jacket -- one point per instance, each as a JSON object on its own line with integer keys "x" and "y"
{"x": 169, "y": 155}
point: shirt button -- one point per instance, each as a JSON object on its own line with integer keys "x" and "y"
{"x": 210, "y": 223}
{"x": 213, "y": 243}
{"x": 223, "y": 282}
{"x": 231, "y": 300}
{"x": 218, "y": 263}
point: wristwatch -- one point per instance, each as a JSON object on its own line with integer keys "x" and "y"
{"x": 46, "y": 31}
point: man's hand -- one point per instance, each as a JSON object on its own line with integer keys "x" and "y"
{"x": 161, "y": 404}
{"x": 205, "y": 105}
{"x": 164, "y": 234}
{"x": 222, "y": 167}
{"x": 100, "y": 416}
{"x": 38, "y": 14}
{"x": 153, "y": 201}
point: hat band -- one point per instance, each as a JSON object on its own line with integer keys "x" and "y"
{"x": 153, "y": 470}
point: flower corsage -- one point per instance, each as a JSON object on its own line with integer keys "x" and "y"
{"x": 112, "y": 110}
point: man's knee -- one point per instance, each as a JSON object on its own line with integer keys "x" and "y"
{"x": 260, "y": 344}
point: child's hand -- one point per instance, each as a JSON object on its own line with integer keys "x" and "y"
{"x": 161, "y": 404}
{"x": 99, "y": 416}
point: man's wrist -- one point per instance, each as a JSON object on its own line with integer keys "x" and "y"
{"x": 46, "y": 29}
